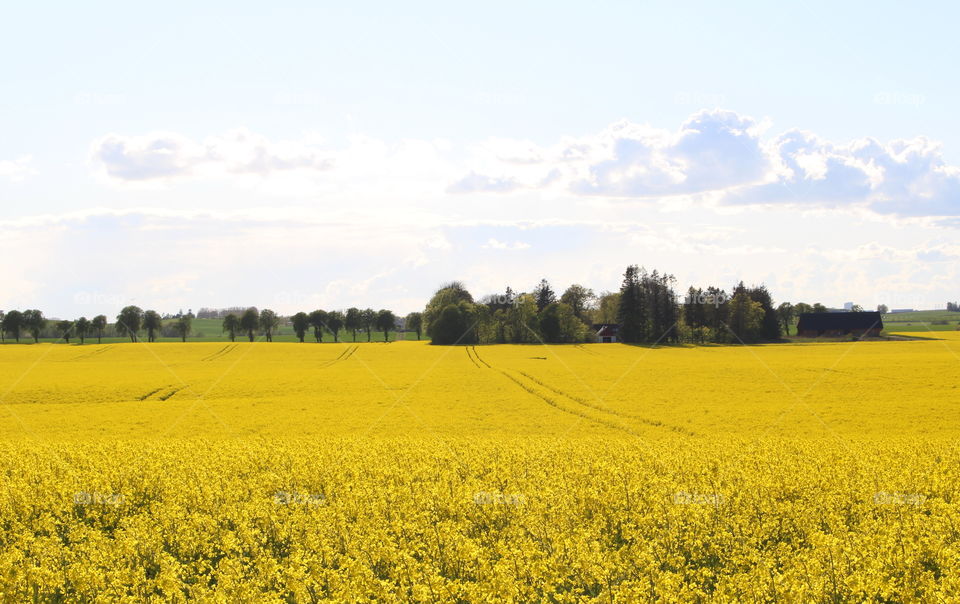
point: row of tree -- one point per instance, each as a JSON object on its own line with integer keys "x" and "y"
{"x": 352, "y": 320}
{"x": 453, "y": 316}
{"x": 646, "y": 310}
{"x": 15, "y": 323}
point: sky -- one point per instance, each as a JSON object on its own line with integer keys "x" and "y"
{"x": 323, "y": 155}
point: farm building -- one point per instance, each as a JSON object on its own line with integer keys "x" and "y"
{"x": 607, "y": 332}
{"x": 815, "y": 324}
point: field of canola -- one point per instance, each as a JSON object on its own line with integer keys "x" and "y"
{"x": 406, "y": 472}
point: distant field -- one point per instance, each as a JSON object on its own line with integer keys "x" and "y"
{"x": 404, "y": 472}
{"x": 921, "y": 321}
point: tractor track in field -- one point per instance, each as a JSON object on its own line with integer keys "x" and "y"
{"x": 346, "y": 354}
{"x": 585, "y": 403}
{"x": 476, "y": 355}
{"x": 531, "y": 386}
{"x": 472, "y": 358}
{"x": 94, "y": 353}
{"x": 220, "y": 353}
{"x": 586, "y": 350}
{"x": 168, "y": 392}
{"x": 169, "y": 395}
{"x": 151, "y": 393}
{"x": 572, "y": 410}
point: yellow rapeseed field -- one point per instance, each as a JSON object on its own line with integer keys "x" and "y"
{"x": 408, "y": 472}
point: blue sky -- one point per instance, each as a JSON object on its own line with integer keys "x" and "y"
{"x": 311, "y": 154}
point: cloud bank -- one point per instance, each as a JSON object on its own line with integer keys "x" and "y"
{"x": 716, "y": 158}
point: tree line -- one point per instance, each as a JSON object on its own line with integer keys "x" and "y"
{"x": 132, "y": 322}
{"x": 646, "y": 310}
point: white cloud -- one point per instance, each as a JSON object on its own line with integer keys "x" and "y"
{"x": 99, "y": 260}
{"x": 475, "y": 183}
{"x": 718, "y": 158}
{"x": 170, "y": 155}
{"x": 495, "y": 244}
{"x": 17, "y": 169}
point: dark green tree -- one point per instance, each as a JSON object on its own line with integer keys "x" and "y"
{"x": 183, "y": 325}
{"x": 454, "y": 325}
{"x": 632, "y": 308}
{"x": 335, "y": 323}
{"x": 414, "y": 322}
{"x": 301, "y": 323}
{"x": 249, "y": 322}
{"x": 152, "y": 323}
{"x": 99, "y": 324}
{"x": 129, "y": 321}
{"x": 83, "y": 328}
{"x": 579, "y": 298}
{"x": 543, "y": 295}
{"x": 450, "y": 293}
{"x": 318, "y": 319}
{"x": 386, "y": 322}
{"x": 785, "y": 314}
{"x": 353, "y": 322}
{"x": 65, "y": 329}
{"x": 231, "y": 325}
{"x": 35, "y": 323}
{"x": 368, "y": 318}
{"x": 269, "y": 322}
{"x": 14, "y": 324}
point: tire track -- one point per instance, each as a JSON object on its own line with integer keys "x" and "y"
{"x": 552, "y": 398}
{"x": 469, "y": 356}
{"x": 170, "y": 394}
{"x": 94, "y": 353}
{"x": 571, "y": 410}
{"x": 220, "y": 353}
{"x": 344, "y": 355}
{"x": 151, "y": 393}
{"x": 577, "y": 399}
{"x": 477, "y": 355}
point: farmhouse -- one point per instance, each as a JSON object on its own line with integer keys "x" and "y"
{"x": 815, "y": 324}
{"x": 607, "y": 332}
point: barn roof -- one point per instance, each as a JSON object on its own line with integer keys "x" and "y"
{"x": 839, "y": 320}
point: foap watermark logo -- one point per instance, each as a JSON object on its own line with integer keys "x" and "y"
{"x": 502, "y": 300}
{"x": 898, "y": 498}
{"x": 707, "y": 298}
{"x": 97, "y": 498}
{"x": 297, "y": 498}
{"x": 498, "y": 498}
{"x": 899, "y": 99}
{"x": 697, "y": 498}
